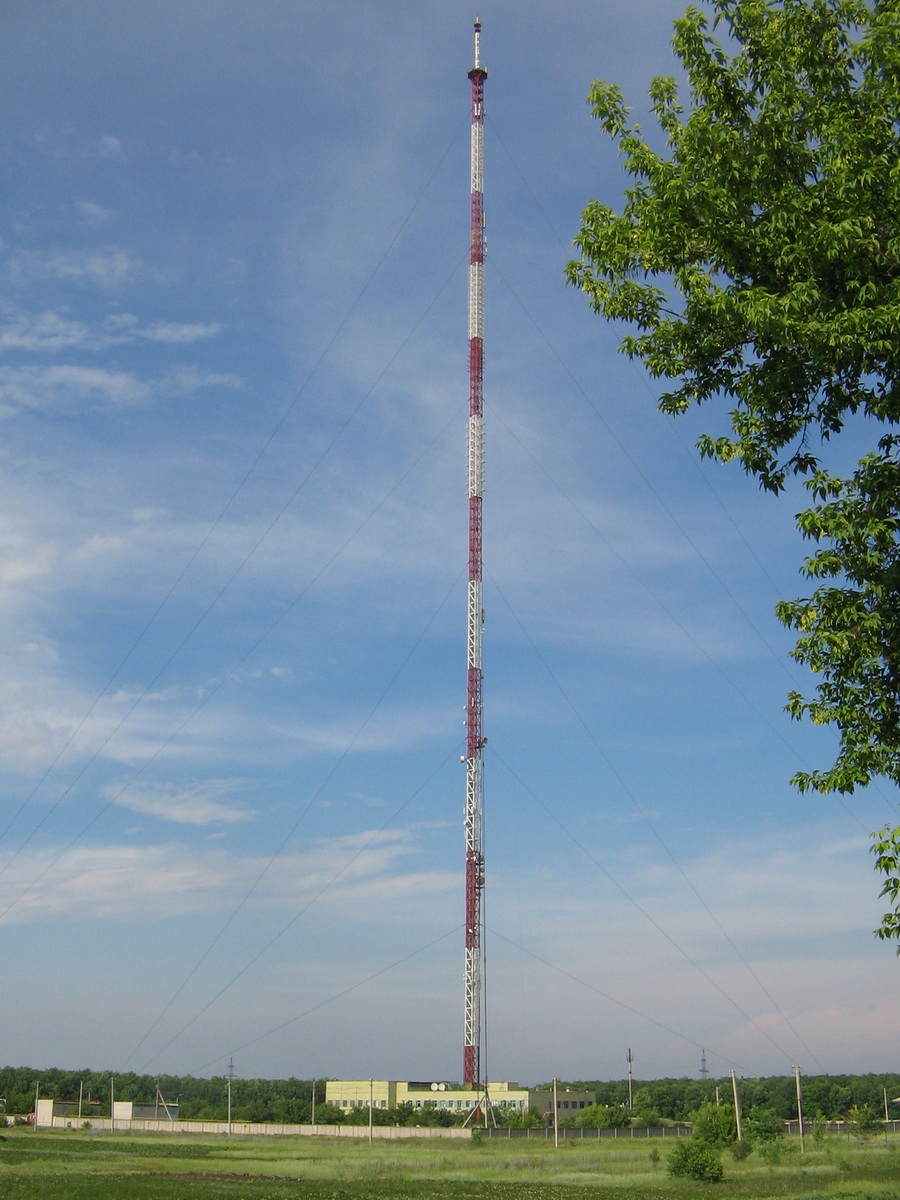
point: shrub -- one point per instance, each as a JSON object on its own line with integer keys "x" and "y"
{"x": 714, "y": 1124}
{"x": 773, "y": 1150}
{"x": 764, "y": 1125}
{"x": 602, "y": 1116}
{"x": 695, "y": 1160}
{"x": 863, "y": 1120}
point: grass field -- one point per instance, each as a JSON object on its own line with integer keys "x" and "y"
{"x": 69, "y": 1165}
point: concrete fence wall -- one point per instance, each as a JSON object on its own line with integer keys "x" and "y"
{"x": 261, "y": 1129}
{"x": 569, "y": 1135}
{"x": 394, "y": 1132}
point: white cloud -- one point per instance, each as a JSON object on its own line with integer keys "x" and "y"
{"x": 47, "y": 331}
{"x": 110, "y": 147}
{"x": 189, "y": 379}
{"x": 23, "y": 558}
{"x": 114, "y": 882}
{"x": 109, "y": 268}
{"x": 181, "y": 334}
{"x": 51, "y": 331}
{"x": 67, "y": 387}
{"x": 123, "y": 882}
{"x": 92, "y": 214}
{"x": 201, "y": 803}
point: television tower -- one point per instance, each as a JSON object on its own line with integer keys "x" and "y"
{"x": 474, "y": 739}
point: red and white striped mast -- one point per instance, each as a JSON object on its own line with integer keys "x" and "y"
{"x": 474, "y": 737}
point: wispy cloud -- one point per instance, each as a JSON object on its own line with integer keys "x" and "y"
{"x": 109, "y": 146}
{"x": 92, "y": 214}
{"x": 181, "y": 334}
{"x": 46, "y": 331}
{"x": 119, "y": 882}
{"x": 67, "y": 388}
{"x": 109, "y": 268}
{"x": 203, "y": 803}
{"x": 50, "y": 331}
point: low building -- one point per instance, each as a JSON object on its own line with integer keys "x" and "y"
{"x": 145, "y": 1110}
{"x": 454, "y": 1098}
{"x": 569, "y": 1102}
{"x": 50, "y": 1112}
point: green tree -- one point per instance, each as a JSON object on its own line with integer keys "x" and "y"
{"x": 863, "y": 1120}
{"x": 602, "y": 1116}
{"x": 757, "y": 260}
{"x": 764, "y": 1131}
{"x": 763, "y": 1125}
{"x": 714, "y": 1124}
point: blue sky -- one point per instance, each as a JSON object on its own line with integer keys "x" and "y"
{"x": 233, "y": 389}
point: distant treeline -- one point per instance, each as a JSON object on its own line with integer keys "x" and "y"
{"x": 289, "y": 1101}
{"x": 828, "y": 1096}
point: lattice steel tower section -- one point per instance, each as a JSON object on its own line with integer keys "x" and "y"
{"x": 474, "y": 736}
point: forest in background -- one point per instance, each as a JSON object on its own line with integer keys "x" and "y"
{"x": 289, "y": 1101}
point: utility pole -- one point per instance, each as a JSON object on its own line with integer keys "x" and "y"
{"x": 799, "y": 1105}
{"x": 737, "y": 1106}
{"x": 230, "y": 1078}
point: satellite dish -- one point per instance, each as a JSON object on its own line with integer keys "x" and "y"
{"x": 434, "y": 1087}
{"x": 442, "y": 1087}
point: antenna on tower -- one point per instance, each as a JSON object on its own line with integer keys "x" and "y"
{"x": 704, "y": 1070}
{"x": 475, "y": 605}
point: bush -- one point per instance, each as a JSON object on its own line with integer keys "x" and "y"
{"x": 763, "y": 1125}
{"x": 602, "y": 1116}
{"x": 714, "y": 1124}
{"x": 695, "y": 1160}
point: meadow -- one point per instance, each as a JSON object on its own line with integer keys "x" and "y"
{"x": 85, "y": 1165}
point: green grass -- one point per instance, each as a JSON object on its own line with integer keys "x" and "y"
{"x": 81, "y": 1165}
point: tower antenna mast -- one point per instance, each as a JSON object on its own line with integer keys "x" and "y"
{"x": 474, "y": 737}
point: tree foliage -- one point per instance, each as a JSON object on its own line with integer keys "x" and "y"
{"x": 678, "y": 1100}
{"x": 714, "y": 1124}
{"x": 863, "y": 1120}
{"x": 693, "y": 1159}
{"x": 757, "y": 260}
{"x": 763, "y": 1125}
{"x": 603, "y": 1116}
